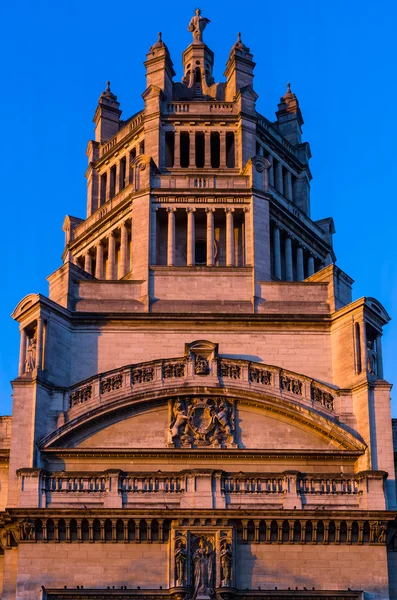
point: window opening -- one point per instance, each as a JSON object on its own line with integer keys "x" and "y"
{"x": 123, "y": 164}
{"x": 230, "y": 158}
{"x": 169, "y": 148}
{"x": 199, "y": 149}
{"x": 185, "y": 150}
{"x": 104, "y": 178}
{"x": 201, "y": 252}
{"x": 215, "y": 150}
{"x": 112, "y": 181}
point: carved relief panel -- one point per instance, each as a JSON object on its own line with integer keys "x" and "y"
{"x": 202, "y": 421}
{"x": 202, "y": 560}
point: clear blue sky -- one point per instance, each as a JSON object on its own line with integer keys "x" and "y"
{"x": 340, "y": 57}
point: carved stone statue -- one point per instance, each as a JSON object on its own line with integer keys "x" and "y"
{"x": 226, "y": 563}
{"x": 179, "y": 419}
{"x": 180, "y": 563}
{"x": 203, "y": 569}
{"x": 30, "y": 361}
{"x": 371, "y": 357}
{"x": 379, "y": 528}
{"x": 224, "y": 417}
{"x": 197, "y": 25}
{"x": 27, "y": 530}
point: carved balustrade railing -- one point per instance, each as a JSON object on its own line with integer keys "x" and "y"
{"x": 277, "y": 529}
{"x": 125, "y": 131}
{"x": 221, "y": 372}
{"x": 201, "y": 108}
{"x": 84, "y": 484}
{"x": 326, "y": 485}
{"x": 276, "y": 484}
{"x": 158, "y": 484}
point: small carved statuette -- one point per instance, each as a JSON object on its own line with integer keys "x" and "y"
{"x": 197, "y": 25}
{"x": 31, "y": 350}
{"x": 27, "y": 530}
{"x": 179, "y": 419}
{"x": 371, "y": 358}
{"x": 202, "y": 366}
{"x": 180, "y": 563}
{"x": 226, "y": 559}
{"x": 203, "y": 568}
{"x": 378, "y": 531}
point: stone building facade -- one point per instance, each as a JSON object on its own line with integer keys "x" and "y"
{"x": 200, "y": 410}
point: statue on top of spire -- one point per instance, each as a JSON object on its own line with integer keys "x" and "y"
{"x": 197, "y": 25}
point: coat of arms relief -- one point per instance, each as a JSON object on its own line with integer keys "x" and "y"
{"x": 202, "y": 421}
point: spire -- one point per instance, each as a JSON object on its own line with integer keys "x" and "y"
{"x": 107, "y": 116}
{"x": 239, "y": 69}
{"x": 159, "y": 67}
{"x": 289, "y": 117}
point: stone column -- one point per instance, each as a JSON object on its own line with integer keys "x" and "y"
{"x": 99, "y": 260}
{"x": 177, "y": 149}
{"x": 117, "y": 186}
{"x": 289, "y": 274}
{"x": 210, "y": 237}
{"x": 22, "y": 353}
{"x": 207, "y": 150}
{"x": 229, "y": 237}
{"x": 379, "y": 359}
{"x": 171, "y": 236}
{"x": 87, "y": 263}
{"x": 222, "y": 157}
{"x": 288, "y": 190}
{"x": 108, "y": 178}
{"x": 310, "y": 265}
{"x": 123, "y": 250}
{"x": 271, "y": 171}
{"x": 300, "y": 272}
{"x": 127, "y": 169}
{"x": 111, "y": 256}
{"x": 277, "y": 251}
{"x": 130, "y": 265}
{"x": 192, "y": 149}
{"x": 190, "y": 250}
{"x": 279, "y": 178}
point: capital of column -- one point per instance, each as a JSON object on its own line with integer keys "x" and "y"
{"x": 190, "y": 209}
{"x": 110, "y": 234}
{"x": 170, "y": 209}
{"x": 228, "y": 209}
{"x": 210, "y": 210}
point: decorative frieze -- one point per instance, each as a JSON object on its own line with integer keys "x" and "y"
{"x": 142, "y": 375}
{"x": 81, "y": 395}
{"x": 322, "y": 397}
{"x": 290, "y": 384}
{"x": 258, "y": 375}
{"x": 109, "y": 384}
{"x": 229, "y": 369}
{"x": 171, "y": 370}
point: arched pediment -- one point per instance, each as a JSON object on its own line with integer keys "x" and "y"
{"x": 22, "y": 306}
{"x": 242, "y": 405}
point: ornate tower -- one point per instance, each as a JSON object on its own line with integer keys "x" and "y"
{"x": 200, "y": 410}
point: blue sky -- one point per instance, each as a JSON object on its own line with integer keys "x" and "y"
{"x": 339, "y": 56}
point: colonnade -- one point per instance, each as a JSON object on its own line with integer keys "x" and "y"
{"x": 294, "y": 256}
{"x": 229, "y": 224}
{"x": 117, "y": 248}
{"x": 280, "y": 177}
{"x": 199, "y": 149}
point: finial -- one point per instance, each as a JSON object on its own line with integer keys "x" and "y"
{"x": 107, "y": 86}
{"x": 160, "y": 38}
{"x": 239, "y": 37}
{"x": 288, "y": 88}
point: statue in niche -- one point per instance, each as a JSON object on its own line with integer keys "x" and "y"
{"x": 197, "y": 25}
{"x": 203, "y": 570}
{"x": 179, "y": 419}
{"x": 180, "y": 563}
{"x": 226, "y": 562}
{"x": 27, "y": 530}
{"x": 371, "y": 357}
{"x": 30, "y": 361}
